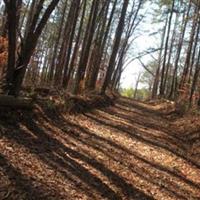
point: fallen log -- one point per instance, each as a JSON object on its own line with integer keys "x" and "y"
{"x": 13, "y": 102}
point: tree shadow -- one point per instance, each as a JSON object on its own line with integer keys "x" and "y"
{"x": 92, "y": 140}
{"x": 148, "y": 141}
{"x": 185, "y": 140}
{"x": 23, "y": 185}
{"x": 171, "y": 136}
{"x": 67, "y": 147}
{"x": 128, "y": 103}
{"x": 104, "y": 146}
{"x": 143, "y": 122}
{"x": 66, "y": 161}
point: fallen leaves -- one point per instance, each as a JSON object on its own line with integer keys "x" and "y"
{"x": 127, "y": 151}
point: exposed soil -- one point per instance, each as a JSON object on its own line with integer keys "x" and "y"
{"x": 127, "y": 151}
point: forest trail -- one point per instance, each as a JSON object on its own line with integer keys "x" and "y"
{"x": 127, "y": 151}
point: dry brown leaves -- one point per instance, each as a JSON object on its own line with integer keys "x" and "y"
{"x": 127, "y": 151}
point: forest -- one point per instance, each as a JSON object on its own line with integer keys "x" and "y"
{"x": 99, "y": 99}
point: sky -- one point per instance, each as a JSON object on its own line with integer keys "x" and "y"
{"x": 142, "y": 43}
{"x": 132, "y": 71}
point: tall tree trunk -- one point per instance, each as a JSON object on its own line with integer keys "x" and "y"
{"x": 157, "y": 75}
{"x": 168, "y": 65}
{"x": 116, "y": 45}
{"x": 125, "y": 45}
{"x": 12, "y": 8}
{"x": 194, "y": 52}
{"x": 99, "y": 59}
{"x": 4, "y": 26}
{"x": 29, "y": 45}
{"x": 162, "y": 89}
{"x": 57, "y": 42}
{"x": 136, "y": 85}
{"x": 185, "y": 73}
{"x": 86, "y": 47}
{"x": 77, "y": 44}
{"x": 96, "y": 51}
{"x": 178, "y": 53}
{"x": 74, "y": 23}
{"x": 195, "y": 78}
{"x": 64, "y": 47}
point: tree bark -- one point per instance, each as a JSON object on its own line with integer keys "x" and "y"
{"x": 86, "y": 47}
{"x": 29, "y": 45}
{"x": 162, "y": 89}
{"x": 71, "y": 37}
{"x": 76, "y": 48}
{"x": 178, "y": 53}
{"x": 117, "y": 41}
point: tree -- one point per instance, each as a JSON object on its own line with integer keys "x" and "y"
{"x": 162, "y": 86}
{"x": 118, "y": 36}
{"x": 16, "y": 72}
{"x": 89, "y": 34}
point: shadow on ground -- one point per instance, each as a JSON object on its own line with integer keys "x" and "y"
{"x": 122, "y": 152}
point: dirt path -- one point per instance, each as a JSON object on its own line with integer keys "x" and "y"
{"x": 127, "y": 151}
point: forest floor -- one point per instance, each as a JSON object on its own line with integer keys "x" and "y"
{"x": 127, "y": 151}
